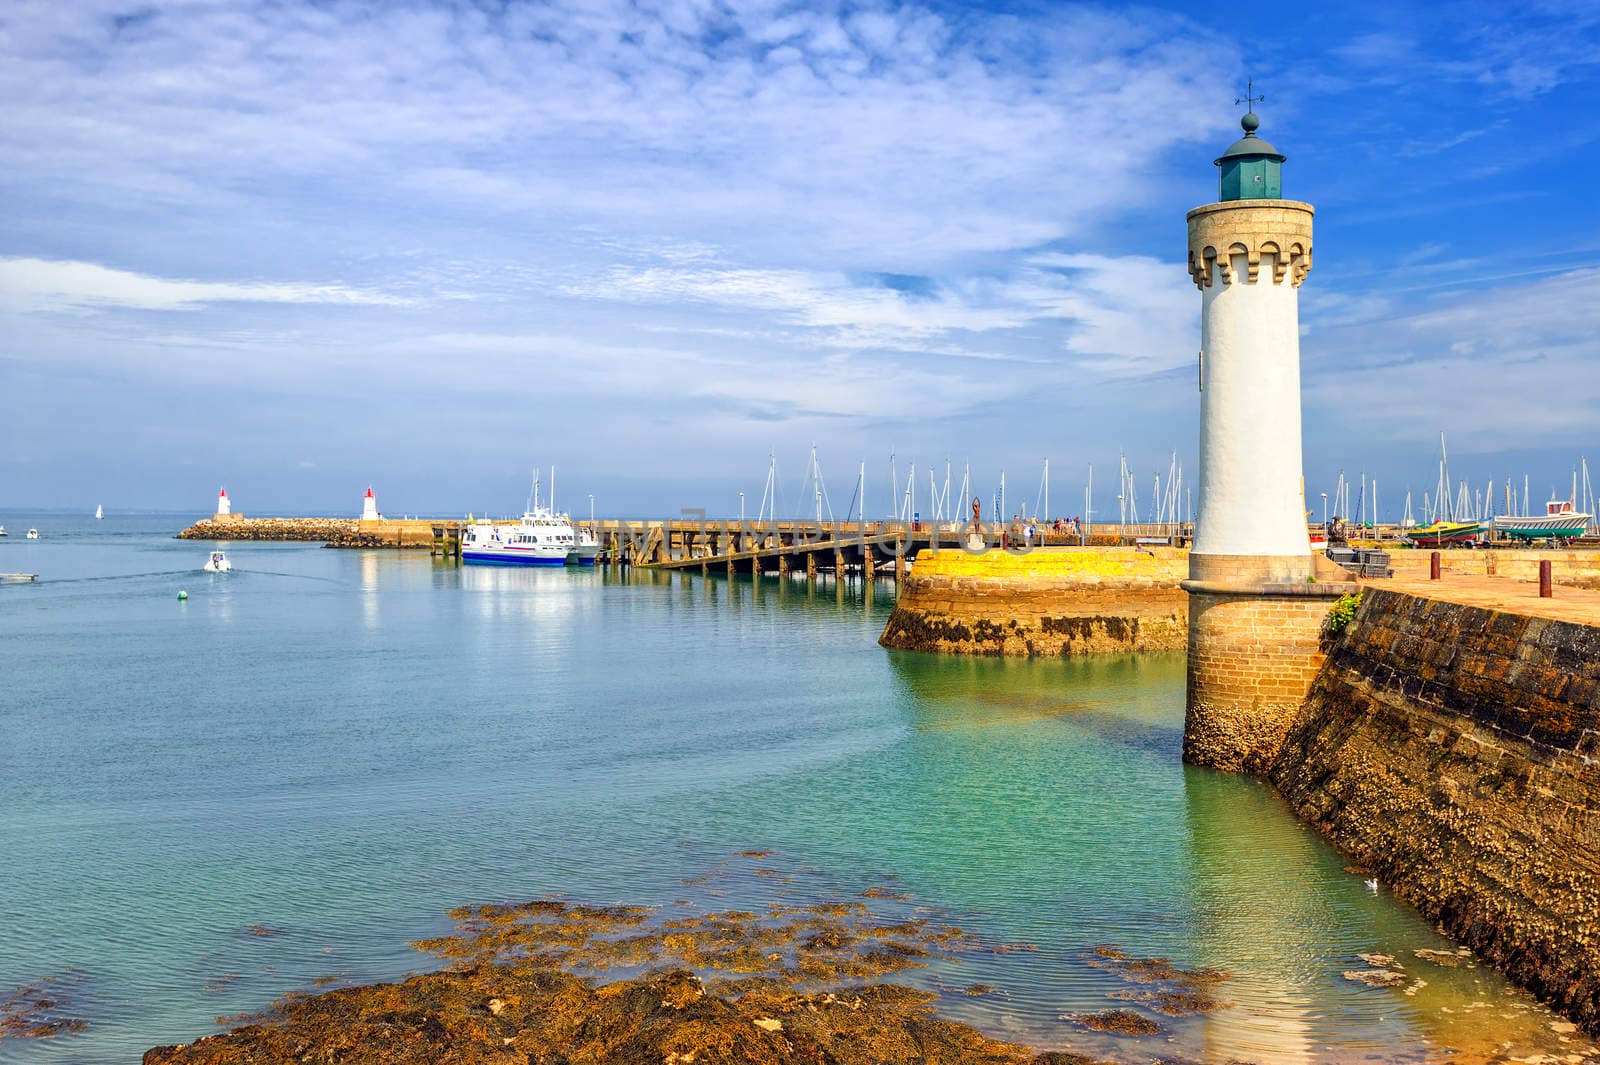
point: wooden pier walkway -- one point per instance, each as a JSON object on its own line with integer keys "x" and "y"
{"x": 838, "y": 548}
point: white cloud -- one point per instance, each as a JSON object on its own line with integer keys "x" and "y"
{"x": 1505, "y": 366}
{"x": 886, "y": 134}
{"x": 55, "y": 285}
{"x": 741, "y": 382}
{"x": 1119, "y": 315}
{"x": 1129, "y": 314}
{"x": 853, "y": 314}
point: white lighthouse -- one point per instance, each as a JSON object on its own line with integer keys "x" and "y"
{"x": 224, "y": 505}
{"x": 369, "y": 507}
{"x": 1248, "y": 254}
{"x": 1255, "y": 614}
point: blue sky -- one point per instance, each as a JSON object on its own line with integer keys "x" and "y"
{"x": 298, "y": 247}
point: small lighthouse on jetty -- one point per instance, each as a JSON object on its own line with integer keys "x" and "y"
{"x": 1255, "y": 614}
{"x": 369, "y": 507}
{"x": 224, "y": 505}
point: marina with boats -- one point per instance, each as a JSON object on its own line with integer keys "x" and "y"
{"x": 813, "y": 537}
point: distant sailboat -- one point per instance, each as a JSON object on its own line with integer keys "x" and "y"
{"x": 99, "y": 512}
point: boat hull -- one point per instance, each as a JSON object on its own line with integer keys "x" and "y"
{"x": 1559, "y": 522}
{"x": 496, "y": 558}
{"x": 1565, "y": 531}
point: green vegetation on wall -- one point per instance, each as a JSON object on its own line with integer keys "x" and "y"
{"x": 1344, "y": 608}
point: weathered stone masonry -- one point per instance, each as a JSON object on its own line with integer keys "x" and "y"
{"x": 1251, "y": 660}
{"x": 1049, "y": 601}
{"x": 1455, "y": 751}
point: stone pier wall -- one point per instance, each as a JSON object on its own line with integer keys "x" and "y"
{"x": 1455, "y": 751}
{"x": 1048, "y": 601}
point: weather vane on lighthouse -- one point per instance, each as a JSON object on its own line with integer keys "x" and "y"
{"x": 1249, "y": 99}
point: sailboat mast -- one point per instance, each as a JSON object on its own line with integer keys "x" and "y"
{"x": 1444, "y": 478}
{"x": 816, "y": 483}
{"x": 861, "y": 486}
{"x": 1088, "y": 502}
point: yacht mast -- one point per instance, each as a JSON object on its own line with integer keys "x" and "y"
{"x": 1088, "y": 503}
{"x": 1444, "y": 481}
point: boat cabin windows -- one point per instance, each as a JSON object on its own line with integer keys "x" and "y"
{"x": 1558, "y": 506}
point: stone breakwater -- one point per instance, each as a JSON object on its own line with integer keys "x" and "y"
{"x": 1454, "y": 750}
{"x": 1048, "y": 601}
{"x": 336, "y": 532}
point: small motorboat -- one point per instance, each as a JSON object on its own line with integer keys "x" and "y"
{"x": 1445, "y": 533}
{"x": 217, "y": 563}
{"x": 585, "y": 549}
{"x": 2, "y": 530}
{"x": 33, "y": 534}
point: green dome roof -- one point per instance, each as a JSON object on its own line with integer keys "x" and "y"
{"x": 1250, "y": 146}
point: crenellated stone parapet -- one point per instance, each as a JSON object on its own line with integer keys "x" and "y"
{"x": 1279, "y": 229}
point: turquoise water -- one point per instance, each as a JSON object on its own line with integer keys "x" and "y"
{"x": 342, "y": 745}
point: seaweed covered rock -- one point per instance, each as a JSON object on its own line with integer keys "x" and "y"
{"x": 502, "y": 1014}
{"x": 787, "y": 986}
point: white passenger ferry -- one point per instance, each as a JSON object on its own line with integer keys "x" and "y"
{"x": 539, "y": 538}
{"x": 527, "y": 543}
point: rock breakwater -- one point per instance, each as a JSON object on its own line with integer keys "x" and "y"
{"x": 239, "y": 528}
{"x": 335, "y": 532}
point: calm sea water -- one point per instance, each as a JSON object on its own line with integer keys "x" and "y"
{"x": 342, "y": 745}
